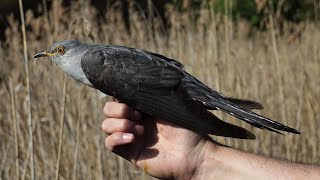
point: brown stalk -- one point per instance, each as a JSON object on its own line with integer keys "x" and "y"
{"x": 15, "y": 129}
{"x": 42, "y": 150}
{"x": 5, "y": 157}
{"x": 280, "y": 82}
{"x": 75, "y": 161}
{"x": 26, "y": 63}
{"x": 63, "y": 103}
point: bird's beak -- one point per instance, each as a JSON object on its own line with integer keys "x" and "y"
{"x": 43, "y": 54}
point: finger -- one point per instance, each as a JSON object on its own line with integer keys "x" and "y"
{"x": 120, "y": 110}
{"x": 117, "y": 139}
{"x": 135, "y": 115}
{"x": 112, "y": 125}
{"x": 116, "y": 110}
{"x": 115, "y": 99}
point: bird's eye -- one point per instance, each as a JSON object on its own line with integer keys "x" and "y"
{"x": 60, "y": 49}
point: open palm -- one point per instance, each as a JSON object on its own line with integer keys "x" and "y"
{"x": 159, "y": 148}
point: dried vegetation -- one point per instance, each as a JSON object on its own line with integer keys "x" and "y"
{"x": 278, "y": 70}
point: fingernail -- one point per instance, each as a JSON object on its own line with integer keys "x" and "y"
{"x": 127, "y": 136}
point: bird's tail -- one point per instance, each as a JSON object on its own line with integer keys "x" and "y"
{"x": 236, "y": 107}
{"x": 245, "y": 103}
{"x": 250, "y": 117}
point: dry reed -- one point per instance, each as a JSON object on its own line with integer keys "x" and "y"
{"x": 26, "y": 64}
{"x": 63, "y": 103}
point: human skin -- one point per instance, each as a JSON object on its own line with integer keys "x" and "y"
{"x": 164, "y": 150}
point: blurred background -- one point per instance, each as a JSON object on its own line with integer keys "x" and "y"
{"x": 264, "y": 50}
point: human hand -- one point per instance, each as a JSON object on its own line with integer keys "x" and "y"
{"x": 165, "y": 150}
{"x": 161, "y": 149}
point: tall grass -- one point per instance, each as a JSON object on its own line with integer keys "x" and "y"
{"x": 26, "y": 65}
{"x": 280, "y": 71}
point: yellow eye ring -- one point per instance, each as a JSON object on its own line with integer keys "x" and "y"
{"x": 60, "y": 50}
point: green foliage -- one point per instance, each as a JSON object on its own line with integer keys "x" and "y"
{"x": 293, "y": 10}
{"x": 247, "y": 9}
{"x": 297, "y": 10}
{"x": 193, "y": 4}
{"x": 286, "y": 10}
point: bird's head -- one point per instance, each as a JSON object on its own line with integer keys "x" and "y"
{"x": 61, "y": 52}
{"x": 67, "y": 55}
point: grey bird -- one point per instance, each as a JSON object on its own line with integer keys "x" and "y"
{"x": 157, "y": 86}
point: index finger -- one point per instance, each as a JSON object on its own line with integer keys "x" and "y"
{"x": 120, "y": 110}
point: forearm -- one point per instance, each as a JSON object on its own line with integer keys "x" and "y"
{"x": 226, "y": 163}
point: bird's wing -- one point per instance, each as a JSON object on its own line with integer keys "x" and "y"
{"x": 174, "y": 62}
{"x": 214, "y": 100}
{"x": 152, "y": 85}
{"x": 132, "y": 66}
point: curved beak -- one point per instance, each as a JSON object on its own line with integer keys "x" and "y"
{"x": 43, "y": 54}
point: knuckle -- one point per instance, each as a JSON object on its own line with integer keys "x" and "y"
{"x": 107, "y": 143}
{"x": 110, "y": 141}
{"x": 106, "y": 108}
{"x": 126, "y": 124}
{"x": 123, "y": 109}
{"x": 113, "y": 140}
{"x": 104, "y": 125}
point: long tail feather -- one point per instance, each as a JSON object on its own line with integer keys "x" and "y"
{"x": 248, "y": 116}
{"x": 245, "y": 103}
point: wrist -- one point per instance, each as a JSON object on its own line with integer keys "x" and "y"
{"x": 220, "y": 162}
{"x": 196, "y": 160}
{"x": 206, "y": 161}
